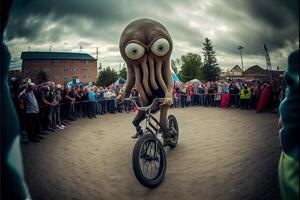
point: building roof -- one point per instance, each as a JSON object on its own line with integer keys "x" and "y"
{"x": 255, "y": 70}
{"x": 55, "y": 55}
{"x": 236, "y": 69}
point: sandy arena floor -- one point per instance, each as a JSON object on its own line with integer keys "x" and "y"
{"x": 222, "y": 154}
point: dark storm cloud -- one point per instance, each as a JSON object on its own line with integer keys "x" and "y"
{"x": 228, "y": 23}
{"x": 274, "y": 22}
{"x": 277, "y": 13}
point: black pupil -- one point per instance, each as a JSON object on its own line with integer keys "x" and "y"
{"x": 134, "y": 51}
{"x": 160, "y": 48}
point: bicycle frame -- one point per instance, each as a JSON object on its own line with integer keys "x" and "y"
{"x": 148, "y": 115}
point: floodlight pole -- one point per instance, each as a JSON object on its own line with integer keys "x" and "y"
{"x": 240, "y": 48}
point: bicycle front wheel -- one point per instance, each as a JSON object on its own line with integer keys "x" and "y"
{"x": 149, "y": 161}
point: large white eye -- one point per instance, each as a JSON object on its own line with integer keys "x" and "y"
{"x": 134, "y": 51}
{"x": 160, "y": 47}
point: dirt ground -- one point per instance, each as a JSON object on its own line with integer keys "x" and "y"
{"x": 222, "y": 154}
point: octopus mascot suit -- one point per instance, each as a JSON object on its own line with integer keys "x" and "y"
{"x": 146, "y": 46}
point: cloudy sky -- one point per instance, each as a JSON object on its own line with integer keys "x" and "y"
{"x": 68, "y": 24}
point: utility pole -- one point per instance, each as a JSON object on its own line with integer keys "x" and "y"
{"x": 97, "y": 53}
{"x": 240, "y": 48}
{"x": 28, "y": 48}
{"x": 50, "y": 48}
{"x": 80, "y": 47}
{"x": 268, "y": 62}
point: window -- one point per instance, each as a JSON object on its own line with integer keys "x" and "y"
{"x": 56, "y": 69}
{"x": 56, "y": 61}
{"x": 74, "y": 69}
{"x": 66, "y": 77}
{"x": 84, "y": 76}
{"x": 91, "y": 76}
{"x": 74, "y": 77}
{"x": 66, "y": 69}
{"x": 91, "y": 68}
{"x": 56, "y": 77}
{"x": 84, "y": 69}
{"x": 44, "y": 61}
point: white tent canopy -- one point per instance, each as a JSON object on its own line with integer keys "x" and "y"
{"x": 194, "y": 81}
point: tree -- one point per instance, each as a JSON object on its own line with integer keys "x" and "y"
{"x": 211, "y": 70}
{"x": 191, "y": 67}
{"x": 175, "y": 63}
{"x": 107, "y": 76}
{"x": 123, "y": 73}
{"x": 100, "y": 66}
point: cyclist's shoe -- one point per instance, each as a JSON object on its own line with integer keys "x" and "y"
{"x": 138, "y": 133}
{"x": 166, "y": 135}
{"x": 166, "y": 141}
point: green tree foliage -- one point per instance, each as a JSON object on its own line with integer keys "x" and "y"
{"x": 191, "y": 67}
{"x": 106, "y": 77}
{"x": 100, "y": 67}
{"x": 123, "y": 73}
{"x": 211, "y": 70}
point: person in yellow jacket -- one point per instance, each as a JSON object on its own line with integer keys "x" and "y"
{"x": 245, "y": 96}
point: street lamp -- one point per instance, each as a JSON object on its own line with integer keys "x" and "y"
{"x": 240, "y": 48}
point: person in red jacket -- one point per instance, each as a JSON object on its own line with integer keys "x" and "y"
{"x": 263, "y": 100}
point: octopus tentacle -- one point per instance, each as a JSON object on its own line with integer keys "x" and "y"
{"x": 167, "y": 75}
{"x": 152, "y": 74}
{"x": 130, "y": 80}
{"x": 138, "y": 84}
{"x": 146, "y": 77}
{"x": 160, "y": 80}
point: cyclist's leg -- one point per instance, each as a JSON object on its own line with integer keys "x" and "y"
{"x": 163, "y": 118}
{"x": 164, "y": 123}
{"x": 136, "y": 122}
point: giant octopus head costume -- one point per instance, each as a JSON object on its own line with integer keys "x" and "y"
{"x": 146, "y": 46}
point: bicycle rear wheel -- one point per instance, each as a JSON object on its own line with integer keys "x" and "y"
{"x": 149, "y": 160}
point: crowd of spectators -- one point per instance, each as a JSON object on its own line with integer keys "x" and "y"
{"x": 46, "y": 107}
{"x": 233, "y": 94}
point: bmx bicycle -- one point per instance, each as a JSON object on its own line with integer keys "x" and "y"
{"x": 149, "y": 157}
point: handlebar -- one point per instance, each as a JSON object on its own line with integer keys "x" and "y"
{"x": 144, "y": 108}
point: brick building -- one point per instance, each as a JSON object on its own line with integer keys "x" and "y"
{"x": 60, "y": 67}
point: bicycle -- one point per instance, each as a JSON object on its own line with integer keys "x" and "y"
{"x": 149, "y": 157}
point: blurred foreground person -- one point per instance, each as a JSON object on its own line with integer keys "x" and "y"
{"x": 289, "y": 130}
{"x": 13, "y": 184}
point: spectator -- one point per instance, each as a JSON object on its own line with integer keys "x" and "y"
{"x": 57, "y": 99}
{"x": 32, "y": 113}
{"x": 245, "y": 96}
{"x": 91, "y": 103}
{"x": 225, "y": 95}
{"x": 183, "y": 96}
